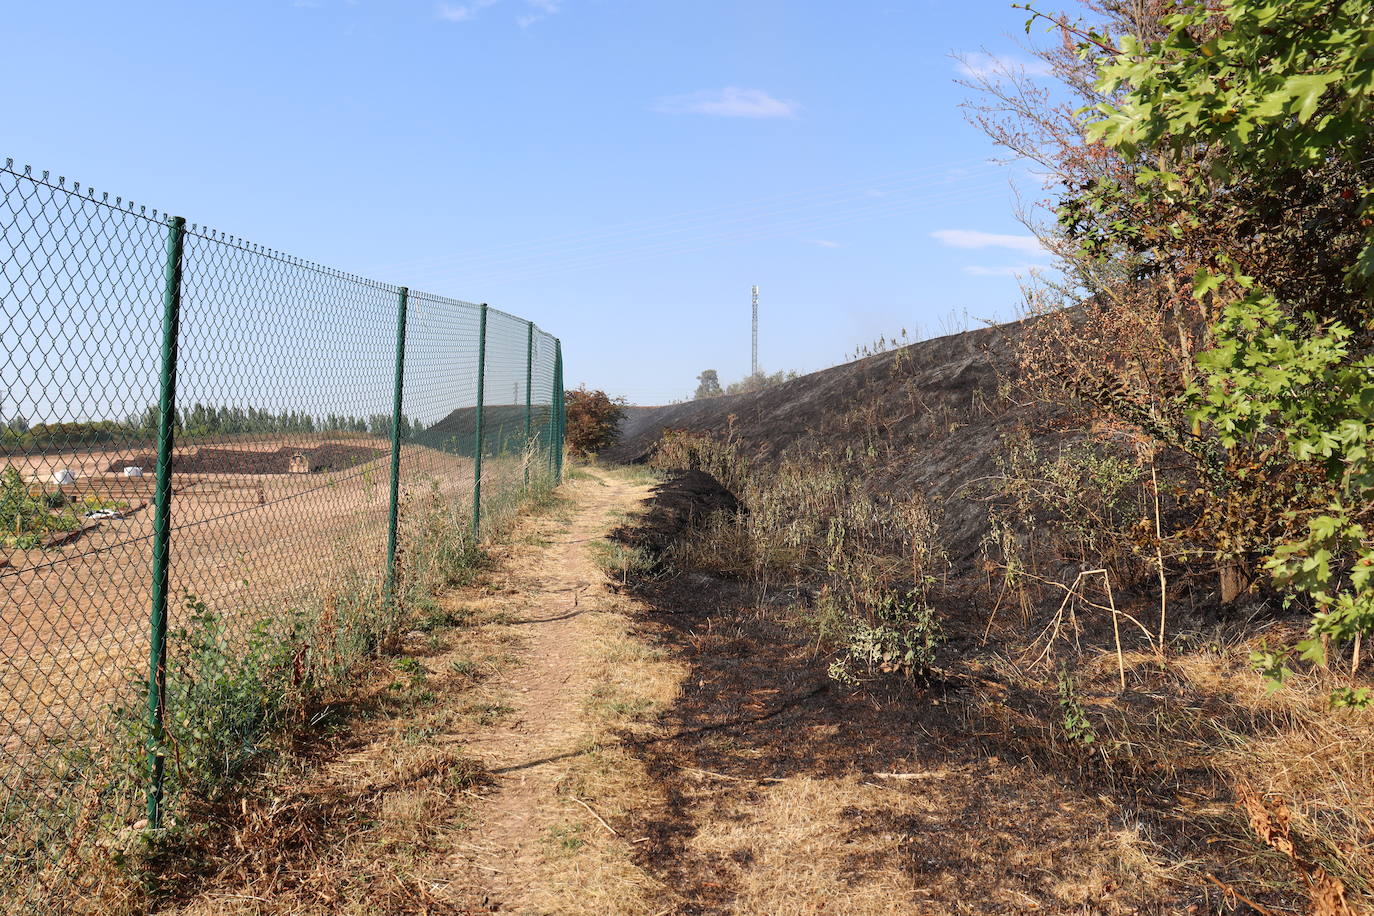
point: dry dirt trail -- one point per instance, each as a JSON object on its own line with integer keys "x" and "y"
{"x": 483, "y": 770}
{"x": 577, "y": 676}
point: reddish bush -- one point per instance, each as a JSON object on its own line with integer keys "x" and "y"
{"x": 593, "y": 420}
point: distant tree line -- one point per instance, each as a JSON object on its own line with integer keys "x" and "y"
{"x": 196, "y": 421}
{"x": 708, "y": 383}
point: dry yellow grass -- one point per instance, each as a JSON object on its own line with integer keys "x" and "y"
{"x": 529, "y": 767}
{"x": 1201, "y": 738}
{"x": 796, "y": 862}
{"x": 1315, "y": 761}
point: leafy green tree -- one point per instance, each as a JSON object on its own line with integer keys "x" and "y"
{"x": 1249, "y": 127}
{"x": 759, "y": 381}
{"x": 708, "y": 385}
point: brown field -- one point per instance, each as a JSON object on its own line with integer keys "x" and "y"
{"x": 74, "y": 618}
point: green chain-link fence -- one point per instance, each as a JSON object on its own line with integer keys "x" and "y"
{"x": 227, "y": 473}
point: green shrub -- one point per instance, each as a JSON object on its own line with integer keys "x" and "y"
{"x": 26, "y": 520}
{"x": 1074, "y": 718}
{"x": 898, "y": 635}
{"x": 223, "y": 700}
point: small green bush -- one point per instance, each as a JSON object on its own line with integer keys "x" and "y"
{"x": 26, "y": 520}
{"x": 899, "y": 635}
{"x": 1074, "y": 719}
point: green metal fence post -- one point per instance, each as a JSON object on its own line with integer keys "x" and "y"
{"x": 560, "y": 411}
{"x": 551, "y": 424}
{"x": 162, "y": 516}
{"x": 477, "y": 454}
{"x": 396, "y": 445}
{"x": 529, "y": 380}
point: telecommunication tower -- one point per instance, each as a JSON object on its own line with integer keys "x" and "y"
{"x": 754, "y": 361}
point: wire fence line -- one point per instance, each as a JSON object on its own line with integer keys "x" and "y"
{"x": 226, "y": 475}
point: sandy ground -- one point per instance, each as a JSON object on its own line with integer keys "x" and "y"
{"x": 74, "y": 618}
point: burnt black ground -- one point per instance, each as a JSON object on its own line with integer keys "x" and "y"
{"x": 757, "y": 705}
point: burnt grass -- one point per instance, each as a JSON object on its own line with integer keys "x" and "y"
{"x": 757, "y": 705}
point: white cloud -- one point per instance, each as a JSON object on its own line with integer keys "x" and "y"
{"x": 465, "y": 12}
{"x": 972, "y": 238}
{"x": 450, "y": 12}
{"x": 826, "y": 243}
{"x": 730, "y": 102}
{"x": 981, "y": 66}
{"x": 1006, "y": 270}
{"x": 543, "y": 10}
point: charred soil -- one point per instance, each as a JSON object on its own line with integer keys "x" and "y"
{"x": 990, "y": 790}
{"x": 786, "y": 792}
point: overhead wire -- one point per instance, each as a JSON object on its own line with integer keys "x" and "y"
{"x": 877, "y": 211}
{"x": 707, "y": 216}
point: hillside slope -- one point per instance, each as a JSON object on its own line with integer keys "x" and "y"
{"x": 933, "y": 406}
{"x": 1080, "y": 639}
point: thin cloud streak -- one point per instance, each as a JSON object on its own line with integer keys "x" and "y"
{"x": 450, "y": 12}
{"x": 730, "y": 102}
{"x": 972, "y": 238}
{"x": 543, "y": 10}
{"x": 466, "y": 12}
{"x": 979, "y": 65}
{"x": 1006, "y": 270}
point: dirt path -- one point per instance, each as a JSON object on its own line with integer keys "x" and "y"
{"x": 483, "y": 770}
{"x": 542, "y": 840}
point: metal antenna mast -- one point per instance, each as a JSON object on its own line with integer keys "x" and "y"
{"x": 755, "y": 359}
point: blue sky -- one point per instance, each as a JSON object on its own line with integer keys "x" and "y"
{"x": 620, "y": 171}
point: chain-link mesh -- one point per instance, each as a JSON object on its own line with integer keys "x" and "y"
{"x": 281, "y": 509}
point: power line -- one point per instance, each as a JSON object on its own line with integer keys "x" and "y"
{"x": 619, "y": 256}
{"x": 882, "y": 185}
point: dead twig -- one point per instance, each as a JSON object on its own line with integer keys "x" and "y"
{"x": 1232, "y": 892}
{"x": 726, "y": 775}
{"x": 1159, "y": 557}
{"x": 598, "y": 817}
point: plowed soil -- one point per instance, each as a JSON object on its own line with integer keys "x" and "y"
{"x": 331, "y": 456}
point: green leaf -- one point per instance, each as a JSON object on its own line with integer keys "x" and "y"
{"x": 1308, "y": 90}
{"x": 1204, "y": 282}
